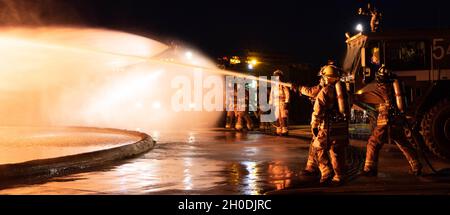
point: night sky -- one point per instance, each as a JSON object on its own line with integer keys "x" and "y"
{"x": 309, "y": 31}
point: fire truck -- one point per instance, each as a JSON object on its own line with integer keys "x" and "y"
{"x": 421, "y": 61}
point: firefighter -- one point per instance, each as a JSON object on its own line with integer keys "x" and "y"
{"x": 329, "y": 126}
{"x": 231, "y": 103}
{"x": 375, "y": 16}
{"x": 230, "y": 119}
{"x": 311, "y": 168}
{"x": 390, "y": 125}
{"x": 242, "y": 112}
{"x": 279, "y": 99}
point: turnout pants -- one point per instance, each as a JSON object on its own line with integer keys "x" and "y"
{"x": 380, "y": 136}
{"x": 330, "y": 145}
{"x": 241, "y": 117}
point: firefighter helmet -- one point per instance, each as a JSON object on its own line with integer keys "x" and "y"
{"x": 383, "y": 74}
{"x": 330, "y": 62}
{"x": 278, "y": 73}
{"x": 330, "y": 71}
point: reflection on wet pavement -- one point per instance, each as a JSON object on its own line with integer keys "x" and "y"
{"x": 191, "y": 162}
{"x": 225, "y": 162}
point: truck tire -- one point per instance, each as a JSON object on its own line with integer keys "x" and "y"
{"x": 436, "y": 129}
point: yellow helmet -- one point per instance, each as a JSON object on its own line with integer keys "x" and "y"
{"x": 330, "y": 71}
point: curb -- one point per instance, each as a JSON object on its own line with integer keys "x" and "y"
{"x": 59, "y": 165}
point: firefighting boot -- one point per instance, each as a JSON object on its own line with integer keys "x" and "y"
{"x": 337, "y": 181}
{"x": 249, "y": 126}
{"x": 370, "y": 167}
{"x": 239, "y": 127}
{"x": 311, "y": 168}
{"x": 228, "y": 124}
{"x": 309, "y": 172}
{"x": 326, "y": 175}
{"x": 262, "y": 126}
{"x": 369, "y": 172}
{"x": 283, "y": 125}
{"x": 326, "y": 181}
{"x": 415, "y": 168}
{"x": 278, "y": 130}
{"x": 415, "y": 172}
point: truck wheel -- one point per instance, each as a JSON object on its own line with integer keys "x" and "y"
{"x": 436, "y": 129}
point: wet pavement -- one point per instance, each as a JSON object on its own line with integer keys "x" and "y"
{"x": 226, "y": 162}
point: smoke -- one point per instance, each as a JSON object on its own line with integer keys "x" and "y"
{"x": 60, "y": 76}
{"x": 37, "y": 12}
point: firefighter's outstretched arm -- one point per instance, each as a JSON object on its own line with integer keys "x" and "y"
{"x": 310, "y": 91}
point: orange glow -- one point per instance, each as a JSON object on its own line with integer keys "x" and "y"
{"x": 63, "y": 76}
{"x": 280, "y": 175}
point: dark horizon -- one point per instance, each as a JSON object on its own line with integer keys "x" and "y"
{"x": 310, "y": 32}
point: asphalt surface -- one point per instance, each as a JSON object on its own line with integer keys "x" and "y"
{"x": 226, "y": 162}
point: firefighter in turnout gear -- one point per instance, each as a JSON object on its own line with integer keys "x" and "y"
{"x": 279, "y": 99}
{"x": 390, "y": 125}
{"x": 242, "y": 114}
{"x": 231, "y": 102}
{"x": 375, "y": 16}
{"x": 311, "y": 168}
{"x": 329, "y": 125}
{"x": 230, "y": 119}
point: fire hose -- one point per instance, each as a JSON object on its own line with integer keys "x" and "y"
{"x": 418, "y": 147}
{"x": 418, "y": 144}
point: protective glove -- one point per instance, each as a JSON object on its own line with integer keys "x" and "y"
{"x": 294, "y": 87}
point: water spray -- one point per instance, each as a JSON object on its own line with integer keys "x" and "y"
{"x": 141, "y": 59}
